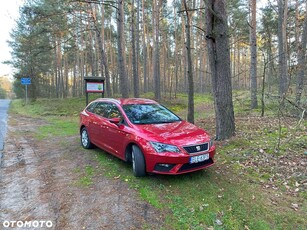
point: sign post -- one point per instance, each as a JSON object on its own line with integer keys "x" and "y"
{"x": 94, "y": 85}
{"x": 26, "y": 81}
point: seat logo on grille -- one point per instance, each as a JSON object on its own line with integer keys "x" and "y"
{"x": 198, "y": 148}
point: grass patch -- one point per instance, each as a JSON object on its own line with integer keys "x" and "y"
{"x": 58, "y": 127}
{"x": 43, "y": 107}
{"x": 61, "y": 115}
{"x": 211, "y": 197}
{"x": 85, "y": 176}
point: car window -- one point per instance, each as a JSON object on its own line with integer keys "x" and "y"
{"x": 100, "y": 109}
{"x": 112, "y": 111}
{"x": 149, "y": 114}
{"x": 91, "y": 107}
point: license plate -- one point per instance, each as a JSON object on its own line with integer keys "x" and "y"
{"x": 199, "y": 158}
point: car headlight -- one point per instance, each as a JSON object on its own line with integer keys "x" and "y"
{"x": 160, "y": 147}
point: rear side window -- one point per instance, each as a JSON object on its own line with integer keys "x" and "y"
{"x": 101, "y": 109}
{"x": 104, "y": 109}
{"x": 91, "y": 107}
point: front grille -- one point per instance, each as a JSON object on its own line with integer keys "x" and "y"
{"x": 197, "y": 148}
{"x": 189, "y": 166}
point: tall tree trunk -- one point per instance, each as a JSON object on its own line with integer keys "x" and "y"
{"x": 233, "y": 60}
{"x": 253, "y": 50}
{"x": 59, "y": 67}
{"x": 136, "y": 84}
{"x": 137, "y": 38}
{"x": 144, "y": 49}
{"x": 184, "y": 59}
{"x": 238, "y": 66}
{"x": 156, "y": 58}
{"x": 271, "y": 63}
{"x": 81, "y": 59}
{"x": 66, "y": 79}
{"x": 91, "y": 51}
{"x": 219, "y": 58}
{"x": 190, "y": 66}
{"x": 282, "y": 46}
{"x": 176, "y": 53}
{"x": 55, "y": 69}
{"x": 164, "y": 55}
{"x": 121, "y": 50}
{"x": 301, "y": 63}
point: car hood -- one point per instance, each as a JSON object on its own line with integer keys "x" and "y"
{"x": 179, "y": 133}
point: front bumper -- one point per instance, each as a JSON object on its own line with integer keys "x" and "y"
{"x": 176, "y": 164}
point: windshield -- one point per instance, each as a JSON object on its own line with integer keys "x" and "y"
{"x": 149, "y": 114}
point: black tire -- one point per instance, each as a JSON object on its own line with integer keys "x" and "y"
{"x": 85, "y": 139}
{"x": 138, "y": 162}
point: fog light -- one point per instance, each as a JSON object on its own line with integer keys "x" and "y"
{"x": 163, "y": 167}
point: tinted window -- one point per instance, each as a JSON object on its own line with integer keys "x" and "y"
{"x": 112, "y": 111}
{"x": 104, "y": 109}
{"x": 100, "y": 109}
{"x": 91, "y": 107}
{"x": 149, "y": 114}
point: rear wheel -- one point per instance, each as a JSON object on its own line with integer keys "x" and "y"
{"x": 138, "y": 162}
{"x": 85, "y": 139}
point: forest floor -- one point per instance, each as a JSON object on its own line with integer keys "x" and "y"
{"x": 40, "y": 182}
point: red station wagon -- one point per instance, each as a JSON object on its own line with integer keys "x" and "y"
{"x": 147, "y": 134}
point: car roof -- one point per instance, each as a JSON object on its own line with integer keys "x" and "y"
{"x": 127, "y": 101}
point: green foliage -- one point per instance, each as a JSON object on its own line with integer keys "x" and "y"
{"x": 32, "y": 42}
{"x": 238, "y": 15}
{"x": 2, "y": 93}
{"x": 18, "y": 89}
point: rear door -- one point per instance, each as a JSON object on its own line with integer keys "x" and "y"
{"x": 97, "y": 124}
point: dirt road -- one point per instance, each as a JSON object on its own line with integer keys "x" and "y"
{"x": 38, "y": 187}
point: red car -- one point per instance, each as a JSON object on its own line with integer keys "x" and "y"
{"x": 147, "y": 134}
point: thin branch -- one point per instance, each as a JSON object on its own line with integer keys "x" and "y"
{"x": 201, "y": 29}
{"x": 186, "y": 10}
{"x": 295, "y": 105}
{"x": 106, "y": 3}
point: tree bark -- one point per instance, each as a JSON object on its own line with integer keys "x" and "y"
{"x": 156, "y": 61}
{"x": 190, "y": 117}
{"x": 121, "y": 50}
{"x": 282, "y": 46}
{"x": 253, "y": 63}
{"x": 136, "y": 84}
{"x": 219, "y": 59}
{"x": 144, "y": 49}
{"x": 301, "y": 63}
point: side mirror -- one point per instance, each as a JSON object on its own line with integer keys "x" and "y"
{"x": 115, "y": 120}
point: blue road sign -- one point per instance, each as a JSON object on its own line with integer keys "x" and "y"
{"x": 26, "y": 81}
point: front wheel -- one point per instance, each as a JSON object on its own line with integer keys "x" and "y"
{"x": 85, "y": 139}
{"x": 138, "y": 162}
